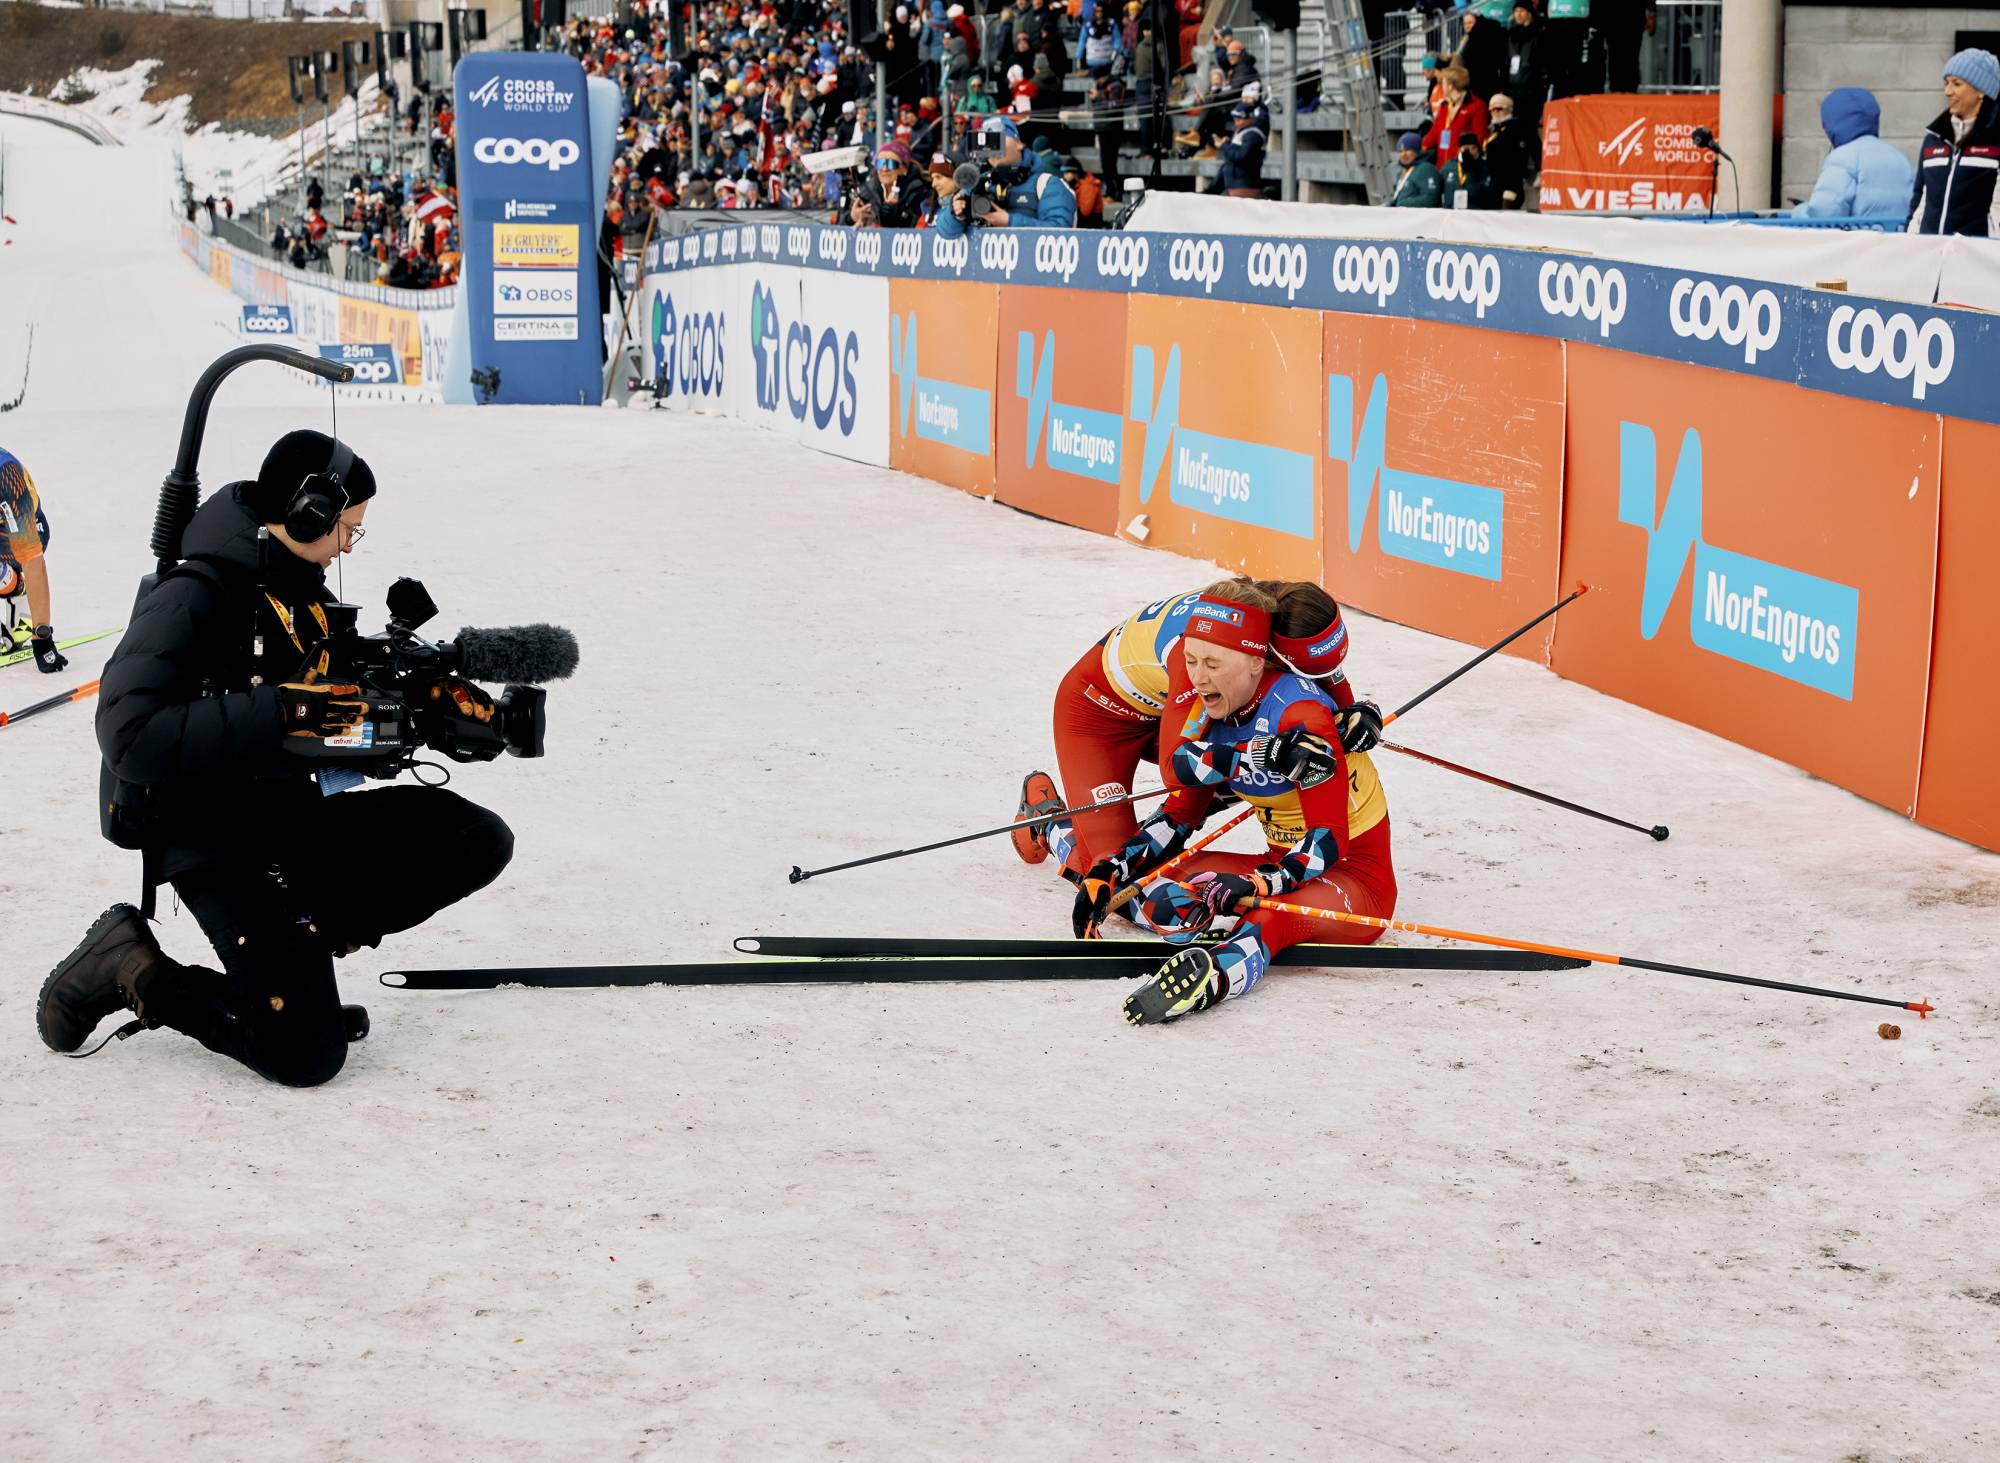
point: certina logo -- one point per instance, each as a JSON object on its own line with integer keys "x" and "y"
{"x": 813, "y": 373}
{"x": 539, "y": 152}
{"x": 1000, "y": 253}
{"x": 517, "y": 209}
{"x": 1278, "y": 266}
{"x": 1464, "y": 276}
{"x": 798, "y": 242}
{"x": 1197, "y": 261}
{"x": 1597, "y": 296}
{"x": 1058, "y": 254}
{"x": 1367, "y": 270}
{"x": 950, "y": 253}
{"x": 1864, "y": 342}
{"x": 520, "y": 94}
{"x": 833, "y": 245}
{"x": 868, "y": 248}
{"x": 906, "y": 250}
{"x": 1625, "y": 144}
{"x": 1124, "y": 256}
{"x": 1730, "y": 314}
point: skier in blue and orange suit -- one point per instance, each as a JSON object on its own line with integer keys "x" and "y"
{"x": 24, "y": 534}
{"x": 1273, "y": 738}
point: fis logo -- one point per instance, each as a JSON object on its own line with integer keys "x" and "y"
{"x": 1244, "y": 482}
{"x": 1625, "y": 144}
{"x": 1448, "y": 525}
{"x": 1079, "y": 440}
{"x": 945, "y": 412}
{"x": 487, "y": 92}
{"x": 1759, "y": 614}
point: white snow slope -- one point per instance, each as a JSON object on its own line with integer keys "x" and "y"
{"x": 1591, "y": 1215}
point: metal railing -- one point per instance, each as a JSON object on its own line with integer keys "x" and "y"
{"x": 1684, "y": 53}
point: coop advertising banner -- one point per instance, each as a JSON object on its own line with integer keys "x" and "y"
{"x": 1060, "y": 450}
{"x": 1223, "y": 434}
{"x": 1762, "y": 563}
{"x": 1626, "y": 153}
{"x": 1443, "y": 478}
{"x": 267, "y": 320}
{"x": 942, "y": 348}
{"x": 529, "y": 215}
{"x": 374, "y": 363}
{"x": 364, "y": 321}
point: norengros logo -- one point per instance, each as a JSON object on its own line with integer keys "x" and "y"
{"x": 1764, "y": 615}
{"x": 1245, "y": 482}
{"x": 1428, "y": 520}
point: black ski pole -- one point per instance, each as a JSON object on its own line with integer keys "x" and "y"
{"x": 799, "y": 875}
{"x": 1491, "y": 650}
{"x": 1657, "y": 832}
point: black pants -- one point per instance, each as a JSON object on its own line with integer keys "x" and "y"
{"x": 360, "y": 866}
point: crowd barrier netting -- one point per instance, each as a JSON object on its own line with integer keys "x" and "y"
{"x": 1780, "y": 494}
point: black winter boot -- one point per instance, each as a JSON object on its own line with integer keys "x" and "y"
{"x": 109, "y": 971}
{"x": 355, "y": 1020}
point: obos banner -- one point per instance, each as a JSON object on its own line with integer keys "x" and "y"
{"x": 1626, "y": 153}
{"x": 942, "y": 347}
{"x": 529, "y": 214}
{"x": 837, "y": 366}
{"x": 1444, "y": 469}
{"x": 1761, "y": 559}
{"x": 1060, "y": 451}
{"x": 685, "y": 325}
{"x": 374, "y": 364}
{"x": 1223, "y": 433}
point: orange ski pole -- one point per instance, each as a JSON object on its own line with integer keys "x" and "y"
{"x": 88, "y": 688}
{"x": 1922, "y": 1008}
{"x": 1131, "y": 891}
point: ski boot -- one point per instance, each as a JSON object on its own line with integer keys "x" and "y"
{"x": 1184, "y": 985}
{"x": 109, "y": 971}
{"x": 1038, "y": 798}
{"x": 355, "y": 1020}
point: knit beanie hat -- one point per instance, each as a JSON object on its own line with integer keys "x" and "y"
{"x": 1409, "y": 142}
{"x": 1978, "y": 69}
{"x": 295, "y": 457}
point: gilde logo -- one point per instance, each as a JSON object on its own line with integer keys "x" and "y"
{"x": 1462, "y": 275}
{"x": 1573, "y": 291}
{"x": 1863, "y": 342}
{"x": 538, "y": 152}
{"x": 1058, "y": 255}
{"x": 1197, "y": 261}
{"x": 999, "y": 252}
{"x": 833, "y": 245}
{"x": 1367, "y": 270}
{"x": 950, "y": 253}
{"x": 906, "y": 250}
{"x": 798, "y": 242}
{"x": 868, "y": 248}
{"x": 1731, "y": 314}
{"x": 1126, "y": 257}
{"x": 1278, "y": 266}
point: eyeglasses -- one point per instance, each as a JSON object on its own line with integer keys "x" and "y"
{"x": 355, "y": 533}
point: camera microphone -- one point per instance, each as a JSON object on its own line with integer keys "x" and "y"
{"x": 516, "y": 654}
{"x": 966, "y": 175}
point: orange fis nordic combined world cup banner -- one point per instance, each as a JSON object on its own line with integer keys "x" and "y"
{"x": 1626, "y": 153}
{"x": 1060, "y": 448}
{"x": 941, "y": 350}
{"x": 1223, "y": 433}
{"x": 1443, "y": 478}
{"x": 1761, "y": 561}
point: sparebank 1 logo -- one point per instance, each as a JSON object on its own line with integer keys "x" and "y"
{"x": 1244, "y": 482}
{"x": 1764, "y": 615}
{"x": 1080, "y": 440}
{"x": 1428, "y": 520}
{"x": 946, "y": 412}
{"x": 813, "y": 372}
{"x": 664, "y": 330}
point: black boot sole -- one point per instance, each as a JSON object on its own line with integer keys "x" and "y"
{"x": 82, "y": 950}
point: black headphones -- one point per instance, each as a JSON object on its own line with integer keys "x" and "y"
{"x": 321, "y": 499}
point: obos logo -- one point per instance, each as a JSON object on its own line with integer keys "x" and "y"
{"x": 1278, "y": 266}
{"x": 539, "y": 152}
{"x": 868, "y": 248}
{"x": 1057, "y": 254}
{"x": 1124, "y": 256}
{"x": 1462, "y": 275}
{"x": 816, "y": 372}
{"x": 1596, "y": 295}
{"x": 665, "y": 327}
{"x": 1864, "y": 342}
{"x": 1000, "y": 253}
{"x": 906, "y": 250}
{"x": 697, "y": 366}
{"x": 1198, "y": 261}
{"x": 1731, "y": 314}
{"x": 950, "y": 253}
{"x": 1367, "y": 270}
{"x": 833, "y": 245}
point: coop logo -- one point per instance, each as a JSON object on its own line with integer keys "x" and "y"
{"x": 1464, "y": 277}
{"x": 1864, "y": 342}
{"x": 1367, "y": 270}
{"x": 708, "y": 243}
{"x": 1278, "y": 266}
{"x": 1760, "y": 614}
{"x": 536, "y": 152}
{"x": 999, "y": 253}
{"x": 1448, "y": 525}
{"x": 833, "y": 245}
{"x": 1196, "y": 261}
{"x": 687, "y": 352}
{"x": 373, "y": 364}
{"x": 811, "y": 372}
{"x": 768, "y": 239}
{"x": 1625, "y": 146}
{"x": 267, "y": 320}
{"x": 950, "y": 254}
{"x": 868, "y": 248}
{"x": 906, "y": 251}
{"x": 1124, "y": 256}
{"x": 1077, "y": 440}
{"x": 798, "y": 242}
{"x": 1731, "y": 314}
{"x": 1251, "y": 483}
{"x": 1058, "y": 255}
{"x": 1597, "y": 296}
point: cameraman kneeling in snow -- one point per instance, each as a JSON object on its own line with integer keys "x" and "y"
{"x": 1028, "y": 190}
{"x": 210, "y": 694}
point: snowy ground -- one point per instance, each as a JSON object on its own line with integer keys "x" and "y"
{"x": 1586, "y": 1215}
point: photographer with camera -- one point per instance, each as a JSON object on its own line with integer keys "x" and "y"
{"x": 227, "y": 729}
{"x": 896, "y": 197}
{"x": 1017, "y": 187}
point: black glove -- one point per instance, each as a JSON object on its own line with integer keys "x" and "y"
{"x": 1093, "y": 898}
{"x": 1296, "y": 755}
{"x": 48, "y": 659}
{"x": 1219, "y": 893}
{"x": 1361, "y": 727}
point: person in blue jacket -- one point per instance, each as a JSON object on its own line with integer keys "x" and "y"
{"x": 1863, "y": 177}
{"x": 1029, "y": 192}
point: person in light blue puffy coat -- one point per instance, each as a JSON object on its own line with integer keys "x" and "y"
{"x": 1863, "y": 177}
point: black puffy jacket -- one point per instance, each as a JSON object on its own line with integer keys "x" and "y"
{"x": 188, "y": 708}
{"x": 1956, "y": 180}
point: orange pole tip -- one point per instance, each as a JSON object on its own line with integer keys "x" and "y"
{"x": 1922, "y": 1008}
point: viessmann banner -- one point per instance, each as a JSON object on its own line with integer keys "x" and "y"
{"x": 529, "y": 216}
